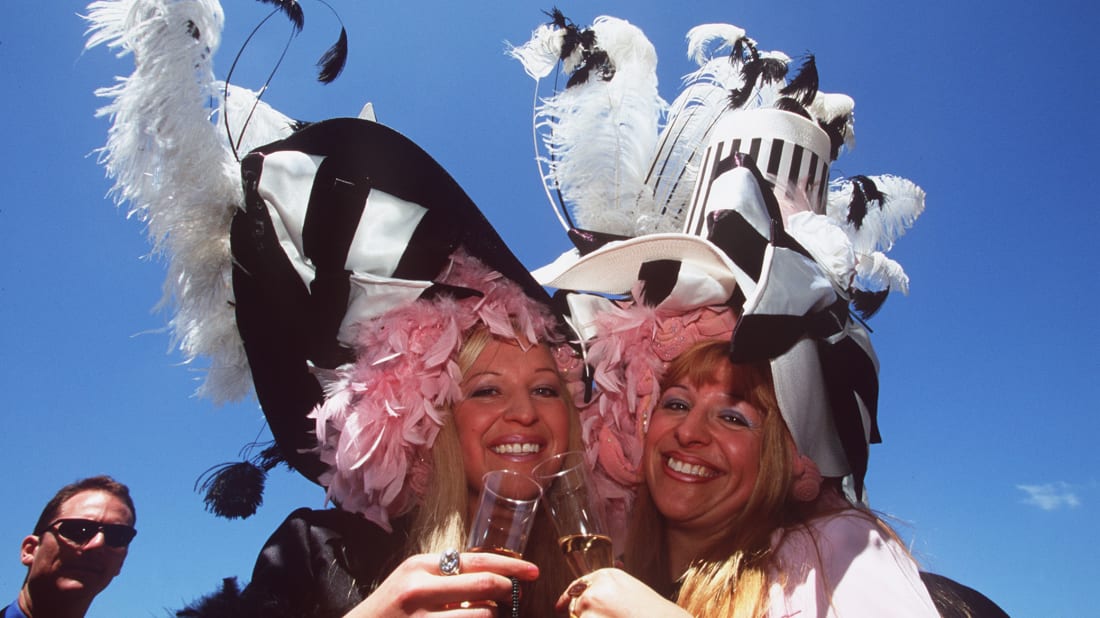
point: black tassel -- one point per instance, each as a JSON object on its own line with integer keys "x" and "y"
{"x": 864, "y": 193}
{"x": 867, "y": 304}
{"x": 804, "y": 85}
{"x": 233, "y": 490}
{"x": 236, "y": 490}
{"x": 292, "y": 10}
{"x": 333, "y": 61}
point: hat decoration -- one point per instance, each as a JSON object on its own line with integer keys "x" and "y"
{"x": 173, "y": 164}
{"x": 172, "y": 152}
{"x": 736, "y": 215}
{"x": 315, "y": 272}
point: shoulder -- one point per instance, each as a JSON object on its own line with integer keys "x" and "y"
{"x": 847, "y": 560}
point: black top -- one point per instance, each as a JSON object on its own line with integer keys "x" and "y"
{"x": 316, "y": 564}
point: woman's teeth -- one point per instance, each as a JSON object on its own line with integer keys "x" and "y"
{"x": 690, "y": 469}
{"x": 526, "y": 448}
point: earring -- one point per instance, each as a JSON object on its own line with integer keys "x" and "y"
{"x": 807, "y": 479}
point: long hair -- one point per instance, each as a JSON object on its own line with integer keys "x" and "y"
{"x": 440, "y": 521}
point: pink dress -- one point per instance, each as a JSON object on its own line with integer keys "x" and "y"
{"x": 846, "y": 567}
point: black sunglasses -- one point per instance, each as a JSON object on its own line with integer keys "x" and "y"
{"x": 81, "y": 531}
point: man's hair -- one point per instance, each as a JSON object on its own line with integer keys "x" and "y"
{"x": 92, "y": 483}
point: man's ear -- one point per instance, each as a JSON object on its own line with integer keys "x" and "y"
{"x": 28, "y": 548}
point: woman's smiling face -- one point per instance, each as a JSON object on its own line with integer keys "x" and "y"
{"x": 702, "y": 453}
{"x": 513, "y": 413}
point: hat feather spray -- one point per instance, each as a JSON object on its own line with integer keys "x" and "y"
{"x": 172, "y": 154}
{"x": 678, "y": 269}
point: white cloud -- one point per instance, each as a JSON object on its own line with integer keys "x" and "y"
{"x": 1050, "y": 496}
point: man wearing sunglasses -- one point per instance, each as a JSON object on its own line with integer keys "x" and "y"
{"x": 78, "y": 546}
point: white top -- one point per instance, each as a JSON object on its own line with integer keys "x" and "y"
{"x": 844, "y": 566}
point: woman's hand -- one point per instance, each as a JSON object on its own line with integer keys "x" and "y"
{"x": 608, "y": 593}
{"x": 417, "y": 587}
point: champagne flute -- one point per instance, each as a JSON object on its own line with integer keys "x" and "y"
{"x": 575, "y": 509}
{"x": 505, "y": 513}
{"x": 502, "y": 523}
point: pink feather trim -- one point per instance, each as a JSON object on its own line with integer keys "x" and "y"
{"x": 632, "y": 348}
{"x": 381, "y": 414}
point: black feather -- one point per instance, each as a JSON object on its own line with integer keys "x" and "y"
{"x": 597, "y": 62}
{"x": 333, "y": 60}
{"x": 864, "y": 194}
{"x": 227, "y": 601}
{"x": 750, "y": 72}
{"x": 557, "y": 18}
{"x": 836, "y": 130}
{"x": 292, "y": 10}
{"x": 867, "y": 304}
{"x": 743, "y": 45}
{"x": 573, "y": 36}
{"x": 787, "y": 104}
{"x": 804, "y": 85}
{"x": 772, "y": 69}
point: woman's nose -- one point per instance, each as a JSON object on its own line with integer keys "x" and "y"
{"x": 520, "y": 409}
{"x": 692, "y": 428}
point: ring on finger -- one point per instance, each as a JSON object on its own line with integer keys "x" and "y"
{"x": 449, "y": 562}
{"x": 577, "y": 589}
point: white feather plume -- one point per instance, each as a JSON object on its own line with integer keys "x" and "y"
{"x": 260, "y": 123}
{"x": 876, "y": 272}
{"x": 700, "y": 38}
{"x": 903, "y": 202}
{"x": 827, "y": 107}
{"x": 540, "y": 54}
{"x": 172, "y": 166}
{"x": 600, "y": 135}
{"x": 691, "y": 117}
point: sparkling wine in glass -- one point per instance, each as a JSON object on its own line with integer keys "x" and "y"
{"x": 574, "y": 507}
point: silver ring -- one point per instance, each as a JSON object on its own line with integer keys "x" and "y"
{"x": 448, "y": 562}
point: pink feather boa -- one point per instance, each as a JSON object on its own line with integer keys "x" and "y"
{"x": 382, "y": 413}
{"x": 633, "y": 346}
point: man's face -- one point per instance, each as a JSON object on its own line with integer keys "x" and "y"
{"x": 60, "y": 567}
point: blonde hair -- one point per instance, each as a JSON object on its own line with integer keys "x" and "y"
{"x": 732, "y": 578}
{"x": 440, "y": 520}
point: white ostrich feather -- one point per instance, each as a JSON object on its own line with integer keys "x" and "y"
{"x": 903, "y": 202}
{"x": 265, "y": 124}
{"x": 827, "y": 243}
{"x": 539, "y": 55}
{"x": 691, "y": 117}
{"x": 172, "y": 167}
{"x": 876, "y": 272}
{"x": 601, "y": 135}
{"x": 700, "y": 38}
{"x": 828, "y": 106}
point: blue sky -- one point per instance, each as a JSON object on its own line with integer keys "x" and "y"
{"x": 990, "y": 400}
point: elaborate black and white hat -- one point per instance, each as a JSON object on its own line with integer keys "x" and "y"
{"x": 360, "y": 266}
{"x": 724, "y": 209}
{"x": 335, "y": 269}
